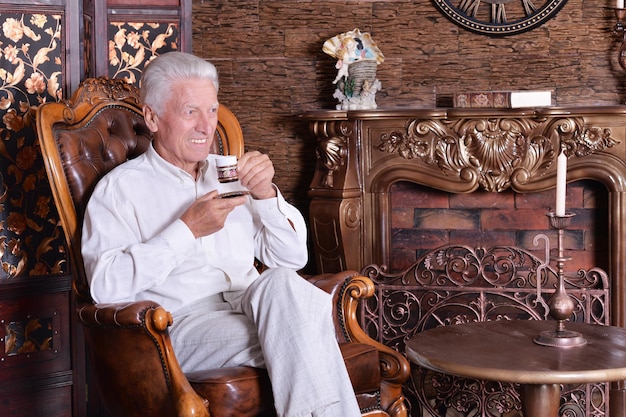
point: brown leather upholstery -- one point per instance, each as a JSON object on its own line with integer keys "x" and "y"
{"x": 129, "y": 348}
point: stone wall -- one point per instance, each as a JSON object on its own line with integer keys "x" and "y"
{"x": 272, "y": 67}
{"x": 269, "y": 54}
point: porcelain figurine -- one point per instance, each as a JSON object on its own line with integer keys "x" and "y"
{"x": 357, "y": 58}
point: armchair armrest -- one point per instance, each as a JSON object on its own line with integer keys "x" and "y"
{"x": 117, "y": 314}
{"x": 130, "y": 347}
{"x": 348, "y": 288}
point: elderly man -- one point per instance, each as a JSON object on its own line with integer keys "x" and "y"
{"x": 155, "y": 228}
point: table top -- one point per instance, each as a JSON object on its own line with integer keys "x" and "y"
{"x": 505, "y": 351}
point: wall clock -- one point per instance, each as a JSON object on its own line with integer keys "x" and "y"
{"x": 499, "y": 17}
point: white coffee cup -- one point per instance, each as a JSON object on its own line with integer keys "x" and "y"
{"x": 226, "y": 168}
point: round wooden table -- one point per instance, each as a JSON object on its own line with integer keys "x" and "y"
{"x": 505, "y": 351}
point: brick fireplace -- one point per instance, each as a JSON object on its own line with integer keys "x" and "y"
{"x": 392, "y": 185}
{"x": 423, "y": 218}
{"x": 360, "y": 205}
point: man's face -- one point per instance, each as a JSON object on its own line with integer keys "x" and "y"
{"x": 183, "y": 133}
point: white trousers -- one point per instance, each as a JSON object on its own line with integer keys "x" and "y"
{"x": 281, "y": 322}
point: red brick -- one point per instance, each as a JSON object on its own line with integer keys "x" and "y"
{"x": 546, "y": 200}
{"x": 482, "y": 238}
{"x": 539, "y": 253}
{"x": 595, "y": 195}
{"x": 590, "y": 219}
{"x": 446, "y": 219}
{"x": 513, "y": 219}
{"x": 401, "y": 259}
{"x": 418, "y": 238}
{"x": 403, "y": 218}
{"x": 492, "y": 219}
{"x": 572, "y": 239}
{"x": 596, "y": 241}
{"x": 407, "y": 194}
{"x": 482, "y": 199}
{"x": 574, "y": 195}
{"x": 585, "y": 260}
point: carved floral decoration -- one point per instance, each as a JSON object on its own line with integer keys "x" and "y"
{"x": 30, "y": 335}
{"x": 30, "y": 240}
{"x": 494, "y": 151}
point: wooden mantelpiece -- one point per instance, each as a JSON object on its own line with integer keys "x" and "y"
{"x": 360, "y": 154}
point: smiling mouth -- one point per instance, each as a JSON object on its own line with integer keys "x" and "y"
{"x": 198, "y": 141}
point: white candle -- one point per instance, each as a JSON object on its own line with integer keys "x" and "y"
{"x": 620, "y": 4}
{"x": 561, "y": 176}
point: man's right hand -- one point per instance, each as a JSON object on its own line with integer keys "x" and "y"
{"x": 207, "y": 214}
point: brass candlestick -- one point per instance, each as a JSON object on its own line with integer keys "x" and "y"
{"x": 620, "y": 29}
{"x": 561, "y": 305}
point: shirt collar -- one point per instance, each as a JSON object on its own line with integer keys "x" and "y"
{"x": 171, "y": 170}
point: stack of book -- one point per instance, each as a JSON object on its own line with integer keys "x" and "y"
{"x": 503, "y": 99}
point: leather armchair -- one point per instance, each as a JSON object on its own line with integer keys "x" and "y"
{"x": 128, "y": 344}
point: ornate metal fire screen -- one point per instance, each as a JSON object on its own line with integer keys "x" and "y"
{"x": 456, "y": 284}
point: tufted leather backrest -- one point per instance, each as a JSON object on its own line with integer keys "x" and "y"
{"x": 85, "y": 137}
{"x": 88, "y": 152}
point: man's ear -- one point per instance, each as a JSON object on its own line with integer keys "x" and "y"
{"x": 151, "y": 118}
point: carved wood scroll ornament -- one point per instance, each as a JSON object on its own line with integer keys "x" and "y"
{"x": 495, "y": 151}
{"x": 332, "y": 148}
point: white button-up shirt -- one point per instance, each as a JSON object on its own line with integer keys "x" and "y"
{"x": 135, "y": 247}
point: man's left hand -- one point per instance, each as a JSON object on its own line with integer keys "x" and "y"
{"x": 256, "y": 172}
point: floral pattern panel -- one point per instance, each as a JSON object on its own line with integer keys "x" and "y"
{"x": 28, "y": 336}
{"x": 31, "y": 242}
{"x": 133, "y": 45}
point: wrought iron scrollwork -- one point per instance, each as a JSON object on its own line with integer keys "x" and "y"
{"x": 457, "y": 284}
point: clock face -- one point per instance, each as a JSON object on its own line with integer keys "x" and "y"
{"x": 499, "y": 17}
